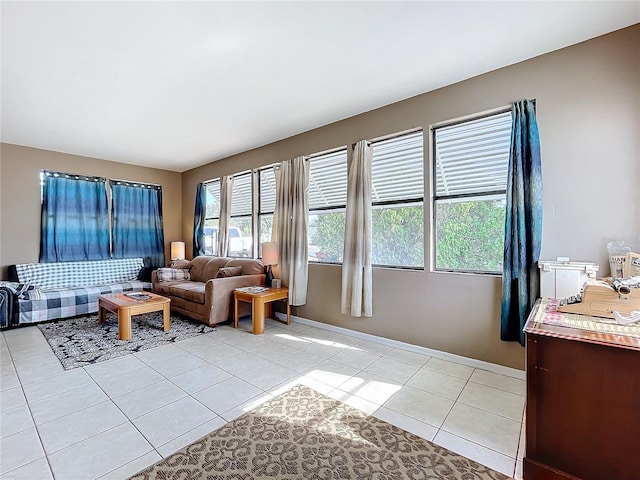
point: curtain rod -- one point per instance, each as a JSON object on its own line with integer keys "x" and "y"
{"x": 73, "y": 176}
{"x": 131, "y": 183}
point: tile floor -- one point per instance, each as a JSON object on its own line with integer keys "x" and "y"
{"x": 112, "y": 419}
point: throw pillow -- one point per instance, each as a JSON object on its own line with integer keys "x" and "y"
{"x": 144, "y": 275}
{"x": 229, "y": 272}
{"x": 186, "y": 264}
{"x": 167, "y": 274}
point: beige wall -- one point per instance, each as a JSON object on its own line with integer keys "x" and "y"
{"x": 20, "y": 196}
{"x": 588, "y": 104}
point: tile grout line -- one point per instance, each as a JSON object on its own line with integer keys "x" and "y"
{"x": 453, "y": 406}
{"x": 26, "y": 401}
{"x": 130, "y": 421}
{"x": 296, "y": 348}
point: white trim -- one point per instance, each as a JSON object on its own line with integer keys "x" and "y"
{"x": 326, "y": 152}
{"x": 471, "y": 116}
{"x": 470, "y": 362}
{"x": 389, "y": 136}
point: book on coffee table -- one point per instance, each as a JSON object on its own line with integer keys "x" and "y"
{"x": 138, "y": 296}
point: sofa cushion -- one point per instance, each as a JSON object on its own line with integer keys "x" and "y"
{"x": 166, "y": 274}
{"x": 163, "y": 287}
{"x": 193, "y": 291}
{"x": 249, "y": 266}
{"x": 206, "y": 267}
{"x": 229, "y": 272}
{"x": 181, "y": 264}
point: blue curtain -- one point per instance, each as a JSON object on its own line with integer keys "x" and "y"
{"x": 75, "y": 218}
{"x": 523, "y": 225}
{"x": 137, "y": 222}
{"x": 198, "y": 220}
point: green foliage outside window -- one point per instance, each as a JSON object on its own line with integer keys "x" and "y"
{"x": 326, "y": 236}
{"x": 470, "y": 235}
{"x": 398, "y": 236}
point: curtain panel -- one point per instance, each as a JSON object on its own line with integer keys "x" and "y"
{"x": 226, "y": 193}
{"x": 357, "y": 291}
{"x": 74, "y": 218}
{"x": 523, "y": 223}
{"x": 290, "y": 226}
{"x": 199, "y": 217}
{"x": 137, "y": 223}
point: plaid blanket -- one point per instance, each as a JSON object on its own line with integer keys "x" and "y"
{"x": 48, "y": 276}
{"x": 41, "y": 305}
{"x": 49, "y": 291}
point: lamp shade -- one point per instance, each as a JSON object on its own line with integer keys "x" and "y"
{"x": 270, "y": 253}
{"x": 177, "y": 250}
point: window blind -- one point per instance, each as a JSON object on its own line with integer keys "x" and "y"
{"x": 213, "y": 198}
{"x": 241, "y": 198}
{"x": 397, "y": 170}
{"x": 328, "y": 180}
{"x": 267, "y": 191}
{"x": 472, "y": 157}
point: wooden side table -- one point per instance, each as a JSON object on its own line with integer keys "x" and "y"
{"x": 260, "y": 302}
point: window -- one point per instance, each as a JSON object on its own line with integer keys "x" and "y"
{"x": 397, "y": 197}
{"x": 136, "y": 221}
{"x": 212, "y": 220}
{"x": 267, "y": 204}
{"x": 75, "y": 218}
{"x": 240, "y": 227}
{"x": 470, "y": 165}
{"x": 327, "y": 201}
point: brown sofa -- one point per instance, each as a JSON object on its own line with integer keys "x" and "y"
{"x": 205, "y": 297}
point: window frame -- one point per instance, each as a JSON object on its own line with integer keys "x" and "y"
{"x": 414, "y": 201}
{"x": 258, "y": 208}
{"x": 252, "y": 253}
{"x": 341, "y": 208}
{"x": 483, "y": 195}
{"x": 213, "y": 180}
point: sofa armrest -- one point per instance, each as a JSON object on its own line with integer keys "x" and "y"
{"x": 154, "y": 277}
{"x": 218, "y": 296}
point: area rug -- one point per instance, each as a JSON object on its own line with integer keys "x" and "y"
{"x": 304, "y": 434}
{"x": 81, "y": 341}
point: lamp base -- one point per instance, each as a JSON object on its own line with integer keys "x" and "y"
{"x": 268, "y": 277}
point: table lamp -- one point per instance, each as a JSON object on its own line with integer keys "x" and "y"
{"x": 269, "y": 257}
{"x": 177, "y": 251}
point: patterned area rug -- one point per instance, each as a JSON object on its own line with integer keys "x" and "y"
{"x": 304, "y": 434}
{"x": 81, "y": 341}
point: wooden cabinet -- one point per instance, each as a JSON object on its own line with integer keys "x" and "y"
{"x": 583, "y": 404}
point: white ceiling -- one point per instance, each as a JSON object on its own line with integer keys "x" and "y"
{"x": 175, "y": 85}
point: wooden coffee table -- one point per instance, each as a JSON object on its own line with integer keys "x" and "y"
{"x": 259, "y": 302}
{"x": 125, "y": 307}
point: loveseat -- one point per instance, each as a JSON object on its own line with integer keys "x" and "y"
{"x": 49, "y": 291}
{"x": 204, "y": 289}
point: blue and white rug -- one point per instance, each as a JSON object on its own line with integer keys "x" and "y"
{"x": 81, "y": 341}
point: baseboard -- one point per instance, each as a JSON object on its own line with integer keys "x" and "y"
{"x": 471, "y": 362}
